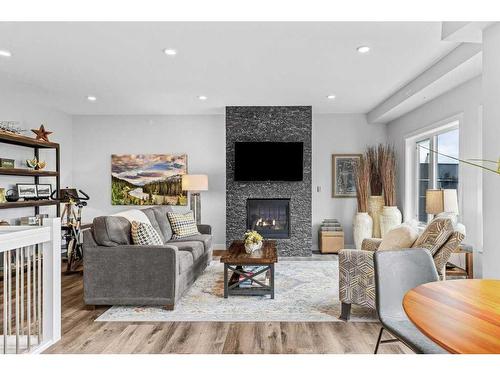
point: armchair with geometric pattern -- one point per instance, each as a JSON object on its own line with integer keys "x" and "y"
{"x": 356, "y": 270}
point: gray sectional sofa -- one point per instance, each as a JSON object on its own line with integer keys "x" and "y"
{"x": 116, "y": 272}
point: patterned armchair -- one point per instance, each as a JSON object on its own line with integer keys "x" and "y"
{"x": 356, "y": 272}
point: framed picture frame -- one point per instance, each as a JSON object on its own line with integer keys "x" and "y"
{"x": 26, "y": 191}
{"x": 343, "y": 178}
{"x": 43, "y": 191}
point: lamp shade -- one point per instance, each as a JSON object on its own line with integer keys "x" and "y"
{"x": 442, "y": 200}
{"x": 450, "y": 201}
{"x": 433, "y": 201}
{"x": 194, "y": 182}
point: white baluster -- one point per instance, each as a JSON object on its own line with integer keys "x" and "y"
{"x": 17, "y": 301}
{"x": 5, "y": 313}
{"x": 9, "y": 293}
{"x": 22, "y": 252}
{"x": 39, "y": 301}
{"x": 28, "y": 294}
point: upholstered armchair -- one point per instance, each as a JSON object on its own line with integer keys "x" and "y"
{"x": 356, "y": 271}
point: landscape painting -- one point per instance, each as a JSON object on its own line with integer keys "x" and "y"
{"x": 153, "y": 179}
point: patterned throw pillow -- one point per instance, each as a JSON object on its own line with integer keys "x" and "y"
{"x": 183, "y": 225}
{"x": 435, "y": 235}
{"x": 144, "y": 234}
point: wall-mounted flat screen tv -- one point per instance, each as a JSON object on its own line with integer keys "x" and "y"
{"x": 268, "y": 161}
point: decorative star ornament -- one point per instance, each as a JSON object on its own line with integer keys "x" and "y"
{"x": 41, "y": 134}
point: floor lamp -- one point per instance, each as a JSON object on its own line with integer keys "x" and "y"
{"x": 194, "y": 183}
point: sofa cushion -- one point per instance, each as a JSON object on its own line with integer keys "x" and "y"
{"x": 133, "y": 215}
{"x": 196, "y": 248}
{"x": 435, "y": 235}
{"x": 145, "y": 235}
{"x": 159, "y": 222}
{"x": 206, "y": 239}
{"x": 185, "y": 261}
{"x": 111, "y": 231}
{"x": 183, "y": 224}
{"x": 401, "y": 237}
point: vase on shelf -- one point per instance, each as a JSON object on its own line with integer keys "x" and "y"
{"x": 375, "y": 205}
{"x": 252, "y": 246}
{"x": 389, "y": 218}
{"x": 362, "y": 228}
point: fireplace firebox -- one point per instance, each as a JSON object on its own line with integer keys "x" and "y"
{"x": 269, "y": 217}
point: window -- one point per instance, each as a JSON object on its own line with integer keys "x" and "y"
{"x": 432, "y": 170}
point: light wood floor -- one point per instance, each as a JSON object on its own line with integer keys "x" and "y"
{"x": 80, "y": 334}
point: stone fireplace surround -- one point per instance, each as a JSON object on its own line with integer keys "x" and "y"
{"x": 270, "y": 124}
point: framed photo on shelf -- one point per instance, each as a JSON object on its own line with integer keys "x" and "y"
{"x": 43, "y": 191}
{"x": 26, "y": 191}
{"x": 343, "y": 178}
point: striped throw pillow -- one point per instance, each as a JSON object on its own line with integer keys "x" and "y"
{"x": 144, "y": 234}
{"x": 183, "y": 225}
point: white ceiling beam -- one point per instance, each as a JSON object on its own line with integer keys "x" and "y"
{"x": 460, "y": 55}
{"x": 471, "y": 32}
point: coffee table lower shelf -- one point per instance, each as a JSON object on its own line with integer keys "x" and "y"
{"x": 235, "y": 290}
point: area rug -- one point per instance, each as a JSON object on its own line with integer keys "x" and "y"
{"x": 305, "y": 291}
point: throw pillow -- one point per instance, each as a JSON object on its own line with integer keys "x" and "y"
{"x": 435, "y": 235}
{"x": 183, "y": 225}
{"x": 144, "y": 234}
{"x": 400, "y": 237}
{"x": 443, "y": 255}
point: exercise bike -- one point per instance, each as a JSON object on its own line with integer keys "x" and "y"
{"x": 72, "y": 225}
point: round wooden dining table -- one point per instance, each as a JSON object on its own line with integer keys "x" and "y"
{"x": 462, "y": 316}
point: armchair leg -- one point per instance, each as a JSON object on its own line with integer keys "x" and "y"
{"x": 345, "y": 313}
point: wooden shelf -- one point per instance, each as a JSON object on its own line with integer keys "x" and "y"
{"x": 27, "y": 172}
{"x": 21, "y": 140}
{"x": 20, "y": 204}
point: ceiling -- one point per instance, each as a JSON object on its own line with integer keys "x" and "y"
{"x": 256, "y": 63}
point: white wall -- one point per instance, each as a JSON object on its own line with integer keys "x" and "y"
{"x": 19, "y": 102}
{"x": 464, "y": 100}
{"x": 337, "y": 134}
{"x": 202, "y": 138}
{"x": 491, "y": 149}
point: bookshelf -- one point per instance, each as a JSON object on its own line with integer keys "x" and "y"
{"x": 23, "y": 141}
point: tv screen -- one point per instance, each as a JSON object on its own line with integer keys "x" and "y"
{"x": 268, "y": 161}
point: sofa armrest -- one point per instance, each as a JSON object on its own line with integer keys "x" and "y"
{"x": 371, "y": 244}
{"x": 123, "y": 274}
{"x": 356, "y": 277}
{"x": 204, "y": 229}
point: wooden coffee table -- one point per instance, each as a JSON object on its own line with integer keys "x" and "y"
{"x": 234, "y": 260}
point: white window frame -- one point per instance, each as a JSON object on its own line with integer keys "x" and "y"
{"x": 412, "y": 162}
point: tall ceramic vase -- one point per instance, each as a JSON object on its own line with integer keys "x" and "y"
{"x": 375, "y": 205}
{"x": 362, "y": 228}
{"x": 389, "y": 218}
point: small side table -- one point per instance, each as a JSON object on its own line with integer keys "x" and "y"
{"x": 468, "y": 271}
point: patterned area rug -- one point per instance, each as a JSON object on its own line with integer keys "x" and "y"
{"x": 304, "y": 291}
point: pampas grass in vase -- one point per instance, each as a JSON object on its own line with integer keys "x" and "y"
{"x": 376, "y": 199}
{"x": 391, "y": 215}
{"x": 363, "y": 223}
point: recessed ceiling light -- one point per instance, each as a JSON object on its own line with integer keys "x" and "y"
{"x": 202, "y": 97}
{"x": 331, "y": 97}
{"x": 363, "y": 49}
{"x": 91, "y": 98}
{"x": 170, "y": 52}
{"x": 5, "y": 53}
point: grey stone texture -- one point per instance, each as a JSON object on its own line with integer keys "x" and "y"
{"x": 270, "y": 124}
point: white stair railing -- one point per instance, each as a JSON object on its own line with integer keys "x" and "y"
{"x": 31, "y": 287}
